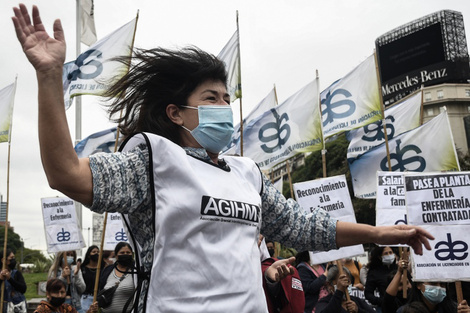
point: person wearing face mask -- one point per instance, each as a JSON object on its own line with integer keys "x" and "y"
{"x": 335, "y": 301}
{"x": 15, "y": 285}
{"x": 120, "y": 273}
{"x": 89, "y": 269}
{"x": 66, "y": 269}
{"x": 56, "y": 296}
{"x": 382, "y": 263}
{"x": 393, "y": 297}
{"x": 178, "y": 197}
{"x": 434, "y": 297}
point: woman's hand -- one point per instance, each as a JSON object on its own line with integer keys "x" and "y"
{"x": 351, "y": 306}
{"x": 43, "y": 52}
{"x": 343, "y": 282}
{"x": 463, "y": 307}
{"x": 93, "y": 308}
{"x": 402, "y": 265}
{"x": 414, "y": 236}
{"x": 66, "y": 272}
{"x": 280, "y": 269}
{"x": 5, "y": 274}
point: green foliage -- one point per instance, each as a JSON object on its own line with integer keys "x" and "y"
{"x": 41, "y": 266}
{"x": 32, "y": 281}
{"x": 14, "y": 242}
{"x": 30, "y": 256}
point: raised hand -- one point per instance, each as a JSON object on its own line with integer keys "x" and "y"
{"x": 43, "y": 52}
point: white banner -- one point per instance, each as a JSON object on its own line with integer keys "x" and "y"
{"x": 115, "y": 231}
{"x": 231, "y": 57}
{"x": 352, "y": 101}
{"x": 428, "y": 148}
{"x": 278, "y": 184}
{"x": 60, "y": 223}
{"x": 400, "y": 118}
{"x": 449, "y": 258}
{"x": 332, "y": 195}
{"x": 438, "y": 198}
{"x": 93, "y": 71}
{"x": 290, "y": 128}
{"x": 390, "y": 204}
{"x": 103, "y": 141}
{"x": 7, "y": 99}
{"x": 266, "y": 104}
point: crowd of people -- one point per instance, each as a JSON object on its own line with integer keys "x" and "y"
{"x": 327, "y": 289}
{"x": 192, "y": 216}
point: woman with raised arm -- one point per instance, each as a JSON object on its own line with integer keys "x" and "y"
{"x": 184, "y": 207}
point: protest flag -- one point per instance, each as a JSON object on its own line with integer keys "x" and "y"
{"x": 266, "y": 104}
{"x": 230, "y": 55}
{"x": 290, "y": 128}
{"x": 427, "y": 148}
{"x": 352, "y": 101}
{"x": 87, "y": 22}
{"x": 7, "y": 100}
{"x": 400, "y": 118}
{"x": 95, "y": 70}
{"x": 103, "y": 141}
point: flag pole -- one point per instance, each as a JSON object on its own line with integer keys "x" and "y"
{"x": 382, "y": 110}
{"x": 116, "y": 143}
{"x": 290, "y": 179}
{"x": 421, "y": 110}
{"x": 4, "y": 260}
{"x": 4, "y": 263}
{"x": 323, "y": 151}
{"x": 78, "y": 99}
{"x": 240, "y": 80}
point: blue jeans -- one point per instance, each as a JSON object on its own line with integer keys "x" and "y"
{"x": 86, "y": 301}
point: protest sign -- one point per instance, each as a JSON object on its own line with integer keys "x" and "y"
{"x": 449, "y": 258}
{"x": 438, "y": 198}
{"x": 390, "y": 204}
{"x": 332, "y": 195}
{"x": 60, "y": 223}
{"x": 115, "y": 231}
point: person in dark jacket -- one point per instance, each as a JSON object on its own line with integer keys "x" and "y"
{"x": 393, "y": 297}
{"x": 313, "y": 277}
{"x": 335, "y": 301}
{"x": 15, "y": 286}
{"x": 382, "y": 263}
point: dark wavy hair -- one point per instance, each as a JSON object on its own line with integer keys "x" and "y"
{"x": 156, "y": 78}
{"x": 86, "y": 261}
{"x": 375, "y": 259}
{"x": 121, "y": 245}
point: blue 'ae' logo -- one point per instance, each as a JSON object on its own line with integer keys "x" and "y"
{"x": 403, "y": 221}
{"x": 84, "y": 67}
{"x": 63, "y": 236}
{"x": 120, "y": 235}
{"x": 336, "y": 110}
{"x": 401, "y": 162}
{"x": 451, "y": 250}
{"x": 377, "y": 130}
{"x": 275, "y": 135}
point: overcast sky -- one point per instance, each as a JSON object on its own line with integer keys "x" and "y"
{"x": 282, "y": 43}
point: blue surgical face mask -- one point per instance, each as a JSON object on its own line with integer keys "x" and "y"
{"x": 215, "y": 128}
{"x": 434, "y": 294}
{"x": 69, "y": 259}
{"x": 388, "y": 259}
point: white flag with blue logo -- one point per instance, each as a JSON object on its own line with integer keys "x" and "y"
{"x": 400, "y": 118}
{"x": 290, "y": 128}
{"x": 7, "y": 99}
{"x": 103, "y": 141}
{"x": 115, "y": 231}
{"x": 94, "y": 71}
{"x": 61, "y": 226}
{"x": 266, "y": 104}
{"x": 231, "y": 57}
{"x": 352, "y": 101}
{"x": 427, "y": 148}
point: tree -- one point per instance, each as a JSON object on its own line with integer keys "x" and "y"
{"x": 14, "y": 242}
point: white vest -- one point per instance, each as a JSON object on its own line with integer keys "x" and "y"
{"x": 207, "y": 222}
